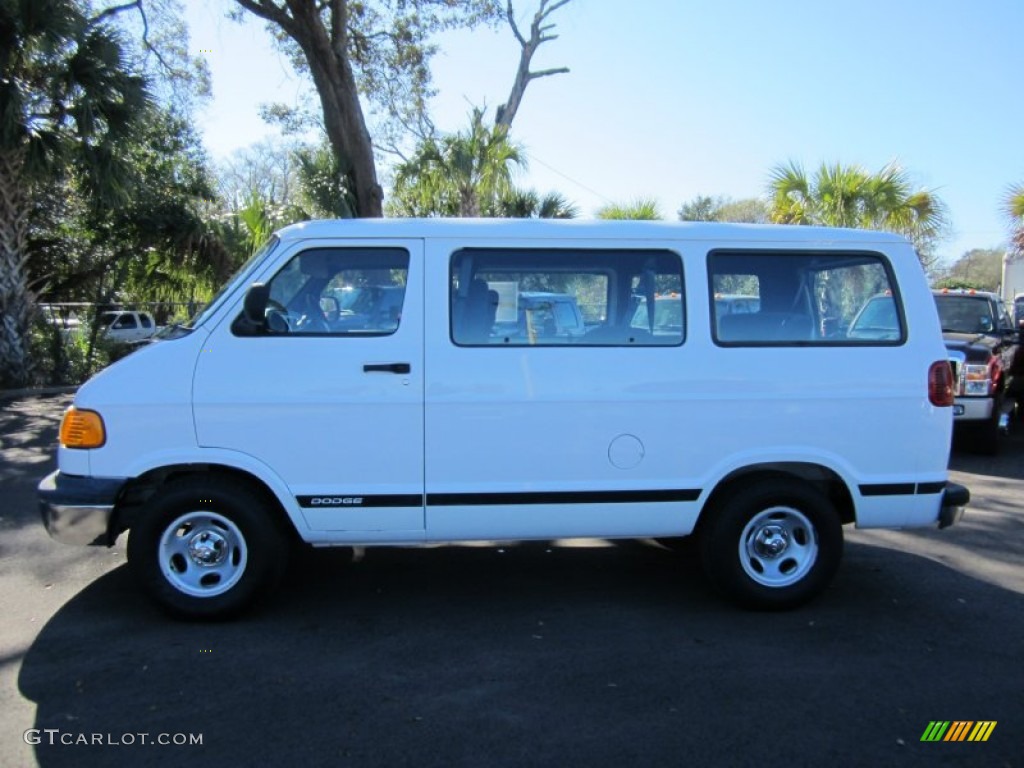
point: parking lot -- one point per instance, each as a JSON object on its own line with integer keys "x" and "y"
{"x": 546, "y": 653}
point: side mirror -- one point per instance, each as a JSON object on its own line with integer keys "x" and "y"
{"x": 255, "y": 306}
{"x": 253, "y": 320}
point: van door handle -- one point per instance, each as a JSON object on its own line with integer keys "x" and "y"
{"x": 387, "y": 368}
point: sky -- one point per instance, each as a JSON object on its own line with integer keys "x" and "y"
{"x": 669, "y": 100}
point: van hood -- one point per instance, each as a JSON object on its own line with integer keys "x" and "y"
{"x": 154, "y": 372}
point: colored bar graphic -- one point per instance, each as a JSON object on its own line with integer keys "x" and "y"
{"x": 982, "y": 730}
{"x": 958, "y": 730}
{"x": 935, "y": 731}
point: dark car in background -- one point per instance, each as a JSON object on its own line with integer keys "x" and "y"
{"x": 988, "y": 365}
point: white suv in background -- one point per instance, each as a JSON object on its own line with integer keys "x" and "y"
{"x": 127, "y": 325}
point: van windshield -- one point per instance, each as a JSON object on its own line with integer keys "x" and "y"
{"x": 240, "y": 276}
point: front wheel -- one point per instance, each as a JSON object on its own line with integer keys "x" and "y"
{"x": 206, "y": 547}
{"x": 773, "y": 545}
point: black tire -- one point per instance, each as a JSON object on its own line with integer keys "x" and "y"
{"x": 219, "y": 520}
{"x": 739, "y": 538}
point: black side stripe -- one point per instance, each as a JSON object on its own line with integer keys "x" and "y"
{"x": 352, "y": 501}
{"x": 559, "y": 497}
{"x": 901, "y": 489}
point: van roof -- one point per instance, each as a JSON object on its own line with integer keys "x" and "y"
{"x": 581, "y": 228}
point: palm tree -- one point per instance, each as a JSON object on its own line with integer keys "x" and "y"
{"x": 527, "y": 204}
{"x": 67, "y": 95}
{"x": 643, "y": 208}
{"x": 1013, "y": 207}
{"x": 849, "y": 196}
{"x": 462, "y": 174}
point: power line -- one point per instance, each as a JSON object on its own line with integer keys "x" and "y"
{"x": 581, "y": 185}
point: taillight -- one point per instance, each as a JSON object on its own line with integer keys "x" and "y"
{"x": 981, "y": 380}
{"x": 940, "y": 384}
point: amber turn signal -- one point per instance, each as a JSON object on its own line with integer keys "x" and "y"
{"x": 82, "y": 429}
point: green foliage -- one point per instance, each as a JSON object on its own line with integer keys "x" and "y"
{"x": 527, "y": 204}
{"x": 701, "y": 208}
{"x": 69, "y": 91}
{"x": 462, "y": 174}
{"x": 260, "y": 220}
{"x": 644, "y": 208}
{"x": 849, "y": 196}
{"x": 69, "y": 99}
{"x": 978, "y": 268}
{"x": 64, "y": 357}
{"x": 705, "y": 208}
{"x": 323, "y": 184}
{"x": 156, "y": 246}
{"x": 1013, "y": 208}
{"x": 960, "y": 283}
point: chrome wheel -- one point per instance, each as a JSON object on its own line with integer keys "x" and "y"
{"x": 778, "y": 547}
{"x": 202, "y": 554}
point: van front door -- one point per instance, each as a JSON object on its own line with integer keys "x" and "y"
{"x": 329, "y": 394}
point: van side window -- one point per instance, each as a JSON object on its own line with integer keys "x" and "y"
{"x": 339, "y": 291}
{"x": 803, "y": 298}
{"x": 571, "y": 297}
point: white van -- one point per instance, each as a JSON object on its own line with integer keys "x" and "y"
{"x": 275, "y": 416}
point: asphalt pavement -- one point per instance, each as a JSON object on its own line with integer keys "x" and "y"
{"x": 581, "y": 653}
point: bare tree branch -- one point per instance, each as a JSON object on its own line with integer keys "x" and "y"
{"x": 511, "y": 16}
{"x": 546, "y": 72}
{"x": 539, "y": 34}
{"x": 137, "y": 5}
{"x": 113, "y": 11}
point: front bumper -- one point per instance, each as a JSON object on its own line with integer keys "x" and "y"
{"x": 954, "y": 498}
{"x": 78, "y": 510}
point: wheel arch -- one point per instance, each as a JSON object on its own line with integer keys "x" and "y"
{"x": 824, "y": 479}
{"x": 137, "y": 492}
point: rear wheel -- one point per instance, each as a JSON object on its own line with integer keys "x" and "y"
{"x": 206, "y": 547}
{"x": 772, "y": 545}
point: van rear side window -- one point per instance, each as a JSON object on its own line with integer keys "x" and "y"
{"x": 578, "y": 297}
{"x": 803, "y": 299}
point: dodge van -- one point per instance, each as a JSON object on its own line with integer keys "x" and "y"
{"x": 278, "y": 415}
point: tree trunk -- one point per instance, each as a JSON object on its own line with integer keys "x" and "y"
{"x": 326, "y": 53}
{"x": 346, "y": 127}
{"x": 16, "y": 300}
